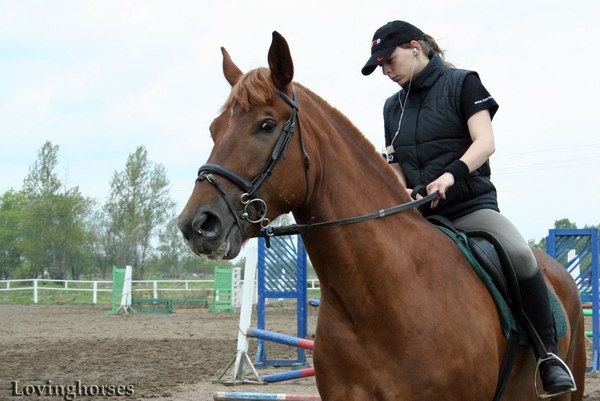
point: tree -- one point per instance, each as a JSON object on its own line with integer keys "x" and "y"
{"x": 11, "y": 209}
{"x": 564, "y": 223}
{"x": 76, "y": 237}
{"x": 102, "y": 245}
{"x": 139, "y": 203}
{"x": 42, "y": 179}
{"x": 173, "y": 250}
{"x": 53, "y": 228}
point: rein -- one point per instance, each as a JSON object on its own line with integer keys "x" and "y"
{"x": 255, "y": 208}
{"x": 302, "y": 228}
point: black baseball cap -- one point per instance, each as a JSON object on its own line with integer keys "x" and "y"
{"x": 386, "y": 39}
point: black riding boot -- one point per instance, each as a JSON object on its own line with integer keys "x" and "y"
{"x": 536, "y": 305}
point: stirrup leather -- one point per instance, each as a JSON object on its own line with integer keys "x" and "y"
{"x": 550, "y": 356}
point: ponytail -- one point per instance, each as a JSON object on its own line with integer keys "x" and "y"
{"x": 430, "y": 47}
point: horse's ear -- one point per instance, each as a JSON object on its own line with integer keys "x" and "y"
{"x": 230, "y": 70}
{"x": 280, "y": 62}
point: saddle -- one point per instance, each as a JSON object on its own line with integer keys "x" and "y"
{"x": 493, "y": 266}
{"x": 485, "y": 253}
{"x": 491, "y": 257}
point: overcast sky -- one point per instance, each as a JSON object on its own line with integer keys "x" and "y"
{"x": 99, "y": 78}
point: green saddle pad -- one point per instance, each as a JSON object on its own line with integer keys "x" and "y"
{"x": 507, "y": 319}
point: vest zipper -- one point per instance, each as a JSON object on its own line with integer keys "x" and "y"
{"x": 418, "y": 148}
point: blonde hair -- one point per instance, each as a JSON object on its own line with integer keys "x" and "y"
{"x": 430, "y": 47}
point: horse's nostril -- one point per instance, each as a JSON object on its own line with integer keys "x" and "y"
{"x": 207, "y": 225}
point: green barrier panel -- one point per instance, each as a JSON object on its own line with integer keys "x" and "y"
{"x": 117, "y": 290}
{"x": 223, "y": 291}
{"x": 156, "y": 305}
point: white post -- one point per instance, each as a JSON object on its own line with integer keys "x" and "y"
{"x": 248, "y": 290}
{"x": 95, "y": 292}
{"x": 126, "y": 294}
{"x": 35, "y": 291}
{"x": 8, "y": 284}
{"x": 66, "y": 285}
{"x": 154, "y": 290}
{"x": 236, "y": 284}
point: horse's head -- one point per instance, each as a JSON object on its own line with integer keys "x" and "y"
{"x": 247, "y": 169}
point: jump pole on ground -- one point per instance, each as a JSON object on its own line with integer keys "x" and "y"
{"x": 234, "y": 396}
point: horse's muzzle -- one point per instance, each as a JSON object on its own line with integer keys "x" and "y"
{"x": 209, "y": 233}
{"x": 207, "y": 225}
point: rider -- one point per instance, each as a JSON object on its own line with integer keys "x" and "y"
{"x": 438, "y": 133}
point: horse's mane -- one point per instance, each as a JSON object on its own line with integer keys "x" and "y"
{"x": 351, "y": 132}
{"x": 347, "y": 126}
{"x": 255, "y": 88}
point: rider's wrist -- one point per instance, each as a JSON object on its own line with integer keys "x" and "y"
{"x": 458, "y": 169}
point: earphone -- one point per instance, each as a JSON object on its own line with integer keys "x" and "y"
{"x": 415, "y": 52}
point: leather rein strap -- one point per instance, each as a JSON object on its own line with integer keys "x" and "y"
{"x": 302, "y": 228}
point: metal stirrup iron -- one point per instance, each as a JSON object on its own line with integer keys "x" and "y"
{"x": 552, "y": 357}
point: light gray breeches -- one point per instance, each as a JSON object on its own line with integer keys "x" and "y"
{"x": 507, "y": 234}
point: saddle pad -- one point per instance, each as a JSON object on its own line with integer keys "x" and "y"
{"x": 507, "y": 319}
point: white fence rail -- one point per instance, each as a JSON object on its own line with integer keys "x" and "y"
{"x": 97, "y": 286}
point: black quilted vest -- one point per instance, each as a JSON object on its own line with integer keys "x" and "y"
{"x": 434, "y": 133}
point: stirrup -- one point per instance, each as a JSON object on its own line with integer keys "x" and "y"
{"x": 550, "y": 356}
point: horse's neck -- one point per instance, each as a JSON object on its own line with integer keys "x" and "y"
{"x": 350, "y": 180}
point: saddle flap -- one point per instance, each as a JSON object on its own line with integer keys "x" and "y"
{"x": 486, "y": 250}
{"x": 487, "y": 256}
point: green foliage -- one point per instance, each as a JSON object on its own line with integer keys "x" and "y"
{"x": 138, "y": 205}
{"x": 52, "y": 220}
{"x": 49, "y": 230}
{"x": 172, "y": 249}
{"x": 42, "y": 179}
{"x": 562, "y": 224}
{"x": 11, "y": 210}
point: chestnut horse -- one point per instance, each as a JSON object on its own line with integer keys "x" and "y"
{"x": 403, "y": 316}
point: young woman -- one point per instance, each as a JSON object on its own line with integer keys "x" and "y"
{"x": 438, "y": 132}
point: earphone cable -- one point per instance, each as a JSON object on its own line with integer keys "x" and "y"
{"x": 402, "y": 106}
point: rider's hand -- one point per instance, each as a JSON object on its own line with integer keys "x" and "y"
{"x": 409, "y": 191}
{"x": 444, "y": 182}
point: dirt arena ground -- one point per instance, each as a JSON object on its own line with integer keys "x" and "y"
{"x": 161, "y": 357}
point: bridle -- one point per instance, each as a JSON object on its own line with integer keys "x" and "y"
{"x": 255, "y": 208}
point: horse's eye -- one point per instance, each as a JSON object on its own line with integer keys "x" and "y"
{"x": 266, "y": 126}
